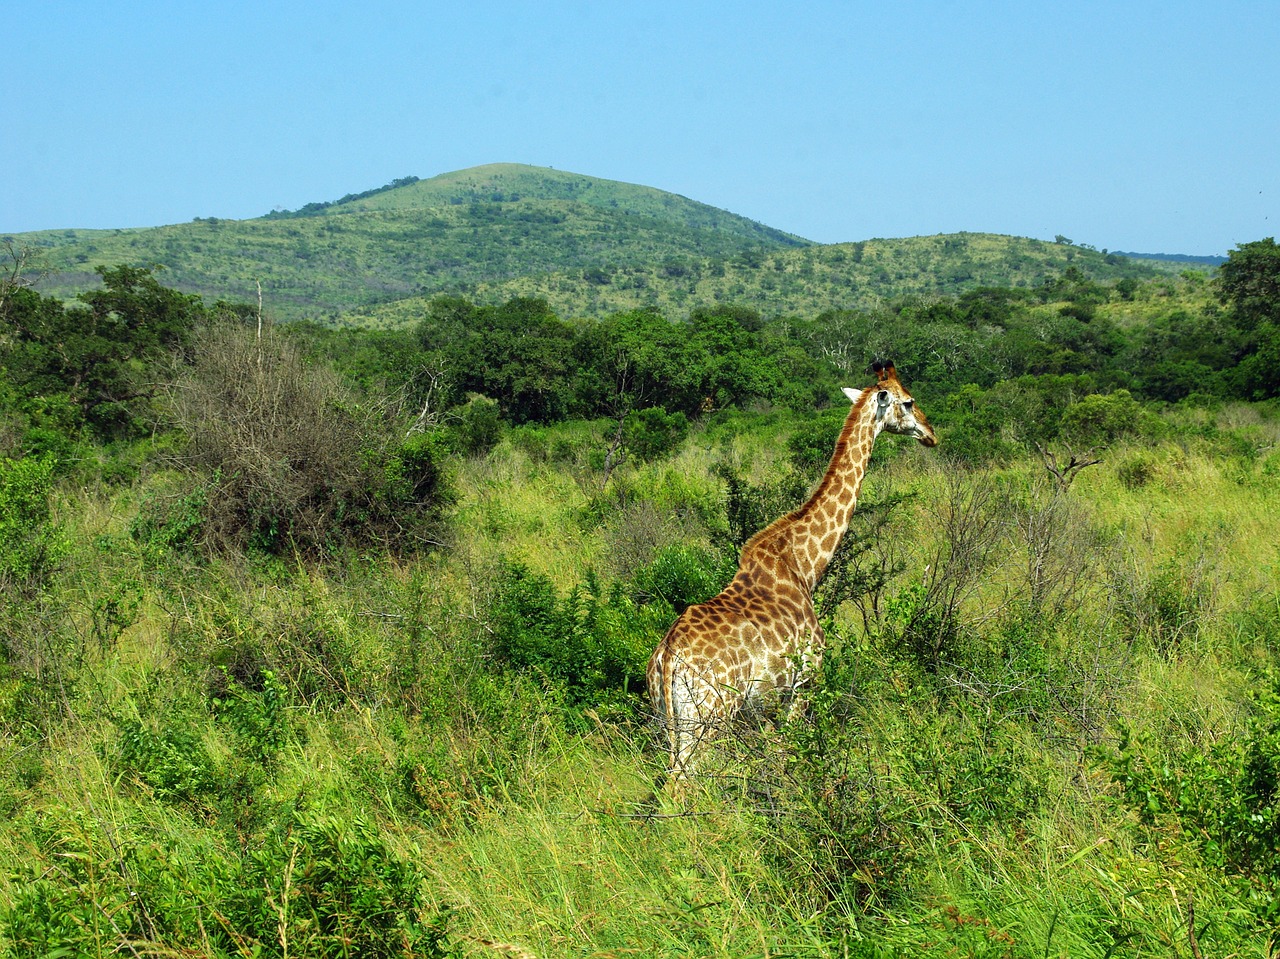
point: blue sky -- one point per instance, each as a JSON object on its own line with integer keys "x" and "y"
{"x": 1152, "y": 127}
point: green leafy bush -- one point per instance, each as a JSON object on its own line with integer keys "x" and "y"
{"x": 814, "y": 439}
{"x": 332, "y": 887}
{"x": 478, "y": 427}
{"x": 592, "y": 645}
{"x": 1098, "y": 420}
{"x": 750, "y": 507}
{"x": 50, "y": 919}
{"x": 257, "y": 715}
{"x": 1226, "y": 796}
{"x": 682, "y": 574}
{"x": 31, "y": 543}
{"x": 654, "y": 433}
{"x": 306, "y": 885}
{"x": 172, "y": 760}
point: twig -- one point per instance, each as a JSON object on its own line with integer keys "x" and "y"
{"x": 1191, "y": 926}
{"x": 1065, "y": 474}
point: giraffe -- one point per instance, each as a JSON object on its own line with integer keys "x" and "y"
{"x": 760, "y": 635}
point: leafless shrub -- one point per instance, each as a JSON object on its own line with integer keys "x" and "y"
{"x": 1065, "y": 473}
{"x": 297, "y": 463}
{"x": 968, "y": 536}
{"x": 636, "y": 532}
{"x": 1060, "y": 551}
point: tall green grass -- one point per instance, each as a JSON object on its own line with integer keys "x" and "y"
{"x": 259, "y": 756}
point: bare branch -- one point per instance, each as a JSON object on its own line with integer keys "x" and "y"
{"x": 1066, "y": 474}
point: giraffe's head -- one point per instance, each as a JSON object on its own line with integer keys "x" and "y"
{"x": 893, "y": 406}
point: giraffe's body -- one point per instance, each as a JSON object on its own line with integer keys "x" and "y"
{"x": 760, "y": 637}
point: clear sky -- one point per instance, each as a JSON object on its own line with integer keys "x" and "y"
{"x": 1140, "y": 126}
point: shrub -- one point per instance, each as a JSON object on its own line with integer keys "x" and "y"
{"x": 171, "y": 760}
{"x": 653, "y": 433}
{"x": 256, "y": 715}
{"x": 751, "y": 507}
{"x": 31, "y": 543}
{"x": 814, "y": 438}
{"x": 329, "y": 887}
{"x": 478, "y": 427}
{"x": 1136, "y": 470}
{"x": 297, "y": 464}
{"x": 1226, "y": 797}
{"x": 1098, "y": 420}
{"x": 592, "y": 645}
{"x": 306, "y": 886}
{"x": 170, "y": 521}
{"x": 681, "y": 575}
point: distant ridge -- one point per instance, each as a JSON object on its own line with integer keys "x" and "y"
{"x": 589, "y": 246}
{"x": 1175, "y": 257}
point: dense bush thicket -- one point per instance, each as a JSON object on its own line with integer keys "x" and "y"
{"x": 978, "y": 356}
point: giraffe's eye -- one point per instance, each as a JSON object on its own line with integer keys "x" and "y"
{"x": 908, "y": 404}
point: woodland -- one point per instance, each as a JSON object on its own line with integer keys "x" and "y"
{"x": 327, "y": 637}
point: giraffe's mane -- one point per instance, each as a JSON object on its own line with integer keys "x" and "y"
{"x": 842, "y": 443}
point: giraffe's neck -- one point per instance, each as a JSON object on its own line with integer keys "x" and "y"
{"x": 818, "y": 525}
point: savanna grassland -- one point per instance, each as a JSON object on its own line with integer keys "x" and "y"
{"x": 328, "y": 641}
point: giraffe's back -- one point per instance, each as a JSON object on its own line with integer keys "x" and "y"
{"x": 737, "y": 645}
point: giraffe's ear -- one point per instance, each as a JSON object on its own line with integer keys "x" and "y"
{"x": 853, "y": 394}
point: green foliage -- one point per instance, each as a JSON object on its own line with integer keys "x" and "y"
{"x": 170, "y": 521}
{"x": 1226, "y": 796}
{"x": 1100, "y": 420}
{"x": 750, "y": 507}
{"x": 653, "y": 433}
{"x": 328, "y": 886}
{"x": 172, "y": 760}
{"x": 681, "y": 575}
{"x": 592, "y": 645}
{"x": 1250, "y": 281}
{"x": 308, "y": 885}
{"x": 101, "y": 356}
{"x": 478, "y": 427}
{"x": 860, "y": 775}
{"x": 257, "y": 715}
{"x": 31, "y": 543}
{"x": 50, "y": 919}
{"x": 812, "y": 441}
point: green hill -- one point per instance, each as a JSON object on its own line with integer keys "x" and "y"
{"x": 801, "y": 281}
{"x": 589, "y": 246}
{"x": 483, "y": 225}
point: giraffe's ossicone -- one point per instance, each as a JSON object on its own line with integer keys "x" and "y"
{"x": 760, "y": 636}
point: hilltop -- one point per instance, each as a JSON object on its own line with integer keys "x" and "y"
{"x": 488, "y": 224}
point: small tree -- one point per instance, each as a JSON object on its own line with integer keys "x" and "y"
{"x": 1250, "y": 282}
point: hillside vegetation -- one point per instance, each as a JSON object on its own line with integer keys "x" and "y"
{"x": 799, "y": 282}
{"x": 330, "y": 642}
{"x": 440, "y": 235}
{"x": 588, "y": 246}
